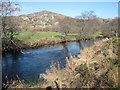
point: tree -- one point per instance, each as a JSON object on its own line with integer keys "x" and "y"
{"x": 114, "y": 27}
{"x": 85, "y": 20}
{"x": 87, "y": 15}
{"x": 65, "y": 25}
{"x": 9, "y": 23}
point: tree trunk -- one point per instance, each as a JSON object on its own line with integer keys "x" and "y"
{"x": 11, "y": 37}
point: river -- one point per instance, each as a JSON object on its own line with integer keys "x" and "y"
{"x": 32, "y": 63}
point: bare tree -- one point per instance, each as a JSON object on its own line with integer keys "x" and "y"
{"x": 65, "y": 26}
{"x": 87, "y": 15}
{"x": 114, "y": 27}
{"x": 85, "y": 18}
{"x": 9, "y": 23}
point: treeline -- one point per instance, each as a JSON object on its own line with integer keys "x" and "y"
{"x": 87, "y": 28}
{"x": 86, "y": 24}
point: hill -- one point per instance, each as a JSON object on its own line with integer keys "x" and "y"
{"x": 41, "y": 21}
{"x": 51, "y": 25}
{"x": 54, "y": 22}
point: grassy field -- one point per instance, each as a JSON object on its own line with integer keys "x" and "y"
{"x": 32, "y": 36}
{"x": 34, "y": 39}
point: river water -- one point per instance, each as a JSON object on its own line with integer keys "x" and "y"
{"x": 32, "y": 63}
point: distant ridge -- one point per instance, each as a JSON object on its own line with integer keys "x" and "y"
{"x": 54, "y": 22}
{"x": 45, "y": 12}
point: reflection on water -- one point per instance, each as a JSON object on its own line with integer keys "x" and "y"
{"x": 34, "y": 62}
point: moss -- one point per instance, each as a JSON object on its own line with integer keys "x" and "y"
{"x": 83, "y": 69}
{"x": 114, "y": 61}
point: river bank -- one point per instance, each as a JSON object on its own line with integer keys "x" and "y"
{"x": 34, "y": 45}
{"x": 95, "y": 67}
{"x": 20, "y": 46}
{"x": 32, "y": 40}
{"x": 26, "y": 65}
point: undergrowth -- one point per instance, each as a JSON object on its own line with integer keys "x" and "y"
{"x": 95, "y": 67}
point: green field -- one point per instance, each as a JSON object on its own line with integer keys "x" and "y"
{"x": 32, "y": 36}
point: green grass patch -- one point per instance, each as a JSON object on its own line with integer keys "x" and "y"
{"x": 98, "y": 35}
{"x": 35, "y": 35}
{"x": 32, "y": 36}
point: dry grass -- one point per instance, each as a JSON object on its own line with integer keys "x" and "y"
{"x": 95, "y": 67}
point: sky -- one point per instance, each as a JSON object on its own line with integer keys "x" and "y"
{"x": 68, "y": 0}
{"x": 72, "y": 9}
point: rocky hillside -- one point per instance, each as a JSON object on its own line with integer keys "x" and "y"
{"x": 39, "y": 21}
{"x": 50, "y": 21}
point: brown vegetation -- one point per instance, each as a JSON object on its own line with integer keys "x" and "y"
{"x": 95, "y": 67}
